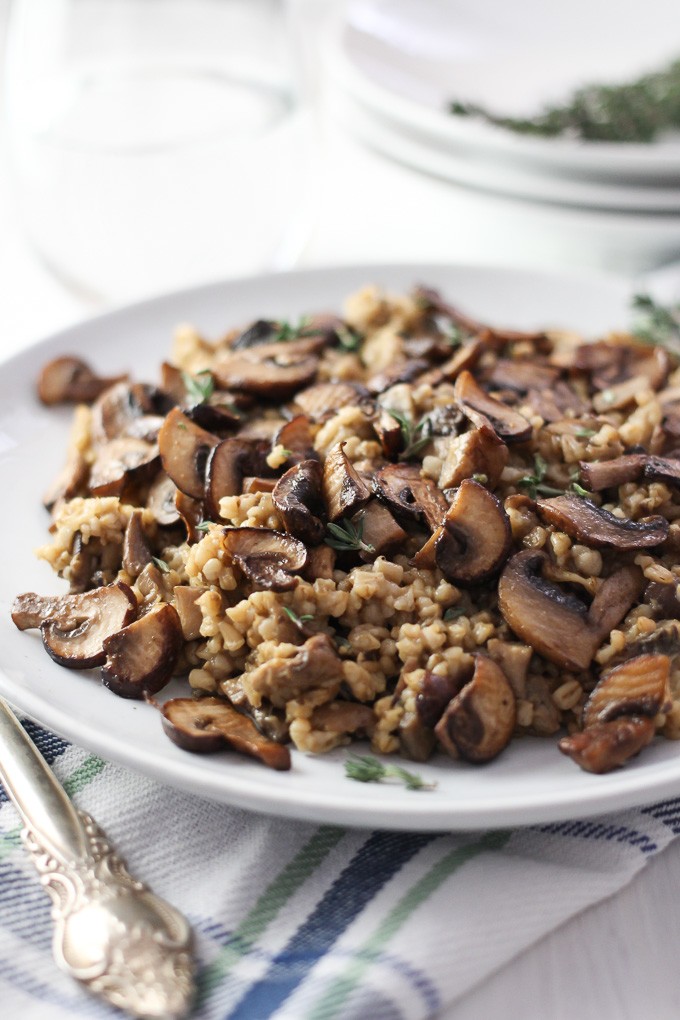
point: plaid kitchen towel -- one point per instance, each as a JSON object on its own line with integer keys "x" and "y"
{"x": 308, "y": 922}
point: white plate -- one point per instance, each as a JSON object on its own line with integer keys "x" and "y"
{"x": 530, "y": 782}
{"x": 490, "y": 172}
{"x": 407, "y": 59}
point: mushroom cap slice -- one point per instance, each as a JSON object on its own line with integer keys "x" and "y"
{"x": 344, "y": 491}
{"x": 75, "y": 635}
{"x": 136, "y": 551}
{"x": 224, "y": 472}
{"x": 120, "y": 461}
{"x": 210, "y": 724}
{"x": 474, "y": 539}
{"x": 141, "y": 657}
{"x": 184, "y": 449}
{"x": 582, "y": 519}
{"x": 477, "y": 452}
{"x": 296, "y": 437}
{"x": 70, "y": 380}
{"x": 271, "y": 372}
{"x": 606, "y": 474}
{"x": 507, "y": 423}
{"x": 161, "y": 500}
{"x": 605, "y": 746}
{"x": 268, "y": 558}
{"x": 378, "y": 530}
{"x": 479, "y": 721}
{"x": 189, "y": 612}
{"x": 639, "y": 687}
{"x": 297, "y": 497}
{"x": 325, "y": 398}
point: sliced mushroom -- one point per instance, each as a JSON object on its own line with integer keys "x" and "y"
{"x": 608, "y": 474}
{"x": 218, "y": 414}
{"x": 224, "y": 472}
{"x": 117, "y": 411}
{"x": 325, "y": 398}
{"x": 191, "y": 513}
{"x": 417, "y": 740}
{"x": 184, "y": 449}
{"x": 404, "y": 372}
{"x": 344, "y": 717}
{"x": 161, "y": 500}
{"x": 343, "y": 490}
{"x": 296, "y": 437}
{"x": 136, "y": 551}
{"x": 297, "y": 497}
{"x": 662, "y": 469}
{"x": 582, "y": 519}
{"x": 188, "y": 610}
{"x": 507, "y": 423}
{"x": 119, "y": 462}
{"x": 259, "y": 332}
{"x": 638, "y": 687}
{"x": 514, "y": 659}
{"x": 271, "y": 371}
{"x": 141, "y": 657}
{"x": 253, "y": 483}
{"x": 663, "y": 598}
{"x": 70, "y": 380}
{"x": 268, "y": 558}
{"x": 379, "y": 530}
{"x": 477, "y": 452}
{"x": 553, "y": 404}
{"x": 555, "y": 623}
{"x": 210, "y": 725}
{"x": 74, "y": 627}
{"x": 465, "y": 358}
{"x": 316, "y": 664}
{"x": 389, "y": 433}
{"x": 408, "y": 495}
{"x": 521, "y": 375}
{"x": 608, "y": 745}
{"x": 478, "y": 723}
{"x": 474, "y": 540}
{"x": 320, "y": 563}
{"x": 83, "y": 566}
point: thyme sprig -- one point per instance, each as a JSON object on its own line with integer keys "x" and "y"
{"x": 367, "y": 769}
{"x": 535, "y": 486}
{"x": 286, "y": 331}
{"x": 199, "y": 387}
{"x": 348, "y": 338}
{"x": 656, "y": 324}
{"x": 161, "y": 564}
{"x": 414, "y": 436}
{"x": 299, "y": 621}
{"x": 348, "y": 537}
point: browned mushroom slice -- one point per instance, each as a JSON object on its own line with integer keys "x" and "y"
{"x": 296, "y": 437}
{"x": 343, "y": 490}
{"x": 215, "y": 416}
{"x": 297, "y": 497}
{"x": 141, "y": 657}
{"x": 662, "y": 469}
{"x": 507, "y": 423}
{"x": 465, "y": 358}
{"x": 191, "y": 513}
{"x": 663, "y": 598}
{"x": 320, "y": 563}
{"x": 136, "y": 551}
{"x": 555, "y": 623}
{"x": 224, "y": 472}
{"x": 73, "y": 633}
{"x": 188, "y": 610}
{"x": 408, "y": 495}
{"x": 478, "y": 723}
{"x": 477, "y": 452}
{"x": 184, "y": 449}
{"x": 119, "y": 462}
{"x": 268, "y": 558}
{"x": 606, "y": 746}
{"x": 474, "y": 539}
{"x": 161, "y": 500}
{"x": 583, "y": 520}
{"x": 71, "y": 380}
{"x": 514, "y": 659}
{"x": 83, "y": 566}
{"x": 553, "y": 404}
{"x": 417, "y": 740}
{"x": 253, "y": 483}
{"x": 522, "y": 376}
{"x": 210, "y": 725}
{"x": 389, "y": 433}
{"x": 379, "y": 530}
{"x": 316, "y": 664}
{"x": 272, "y": 372}
{"x": 259, "y": 332}
{"x": 607, "y": 474}
{"x": 118, "y": 410}
{"x": 639, "y": 687}
{"x": 404, "y": 372}
{"x": 325, "y": 398}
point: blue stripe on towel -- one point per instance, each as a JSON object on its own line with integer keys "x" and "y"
{"x": 598, "y": 830}
{"x": 668, "y": 812}
{"x": 374, "y": 864}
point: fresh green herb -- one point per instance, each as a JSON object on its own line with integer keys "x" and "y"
{"x": 367, "y": 769}
{"x": 456, "y": 336}
{"x": 584, "y": 433}
{"x": 299, "y": 621}
{"x": 347, "y": 537}
{"x": 348, "y": 338}
{"x": 656, "y": 324}
{"x": 161, "y": 564}
{"x": 199, "y": 387}
{"x": 580, "y": 491}
{"x": 635, "y": 111}
{"x": 414, "y": 437}
{"x": 285, "y": 452}
{"x": 482, "y": 479}
{"x": 287, "y": 331}
{"x": 204, "y": 526}
{"x": 534, "y": 483}
{"x": 453, "y": 612}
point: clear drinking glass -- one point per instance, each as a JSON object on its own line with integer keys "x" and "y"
{"x": 157, "y": 143}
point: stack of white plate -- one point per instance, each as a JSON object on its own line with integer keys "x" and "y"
{"x": 399, "y": 63}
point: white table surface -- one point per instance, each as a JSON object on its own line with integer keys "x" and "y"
{"x": 617, "y": 960}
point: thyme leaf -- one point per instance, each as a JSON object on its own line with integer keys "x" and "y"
{"x": 161, "y": 564}
{"x": 348, "y": 338}
{"x": 414, "y": 436}
{"x": 656, "y": 324}
{"x": 367, "y": 769}
{"x": 347, "y": 537}
{"x": 299, "y": 621}
{"x": 199, "y": 387}
{"x": 286, "y": 331}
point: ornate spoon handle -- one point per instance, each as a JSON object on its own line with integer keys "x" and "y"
{"x": 111, "y": 932}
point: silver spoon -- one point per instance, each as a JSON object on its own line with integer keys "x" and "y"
{"x": 122, "y": 942}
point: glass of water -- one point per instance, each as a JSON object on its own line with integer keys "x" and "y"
{"x": 157, "y": 143}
